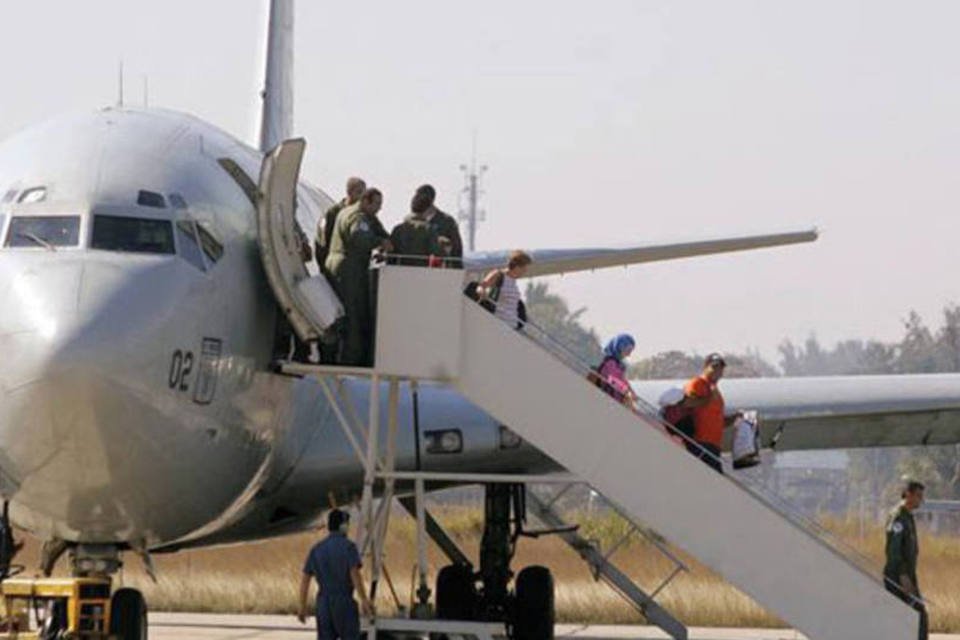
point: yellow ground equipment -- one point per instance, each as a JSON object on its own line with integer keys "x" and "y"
{"x": 55, "y": 609}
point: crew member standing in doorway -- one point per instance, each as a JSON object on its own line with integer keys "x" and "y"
{"x": 355, "y": 189}
{"x": 335, "y": 564}
{"x": 903, "y": 550}
{"x": 357, "y": 233}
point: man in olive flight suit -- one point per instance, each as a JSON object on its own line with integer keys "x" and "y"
{"x": 414, "y": 240}
{"x": 442, "y": 224}
{"x": 355, "y": 236}
{"x": 900, "y": 570}
{"x": 355, "y": 189}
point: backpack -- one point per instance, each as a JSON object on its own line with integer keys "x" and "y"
{"x": 472, "y": 291}
{"x": 680, "y": 418}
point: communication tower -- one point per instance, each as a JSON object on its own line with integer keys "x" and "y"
{"x": 470, "y": 211}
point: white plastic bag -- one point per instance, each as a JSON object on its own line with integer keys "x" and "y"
{"x": 746, "y": 446}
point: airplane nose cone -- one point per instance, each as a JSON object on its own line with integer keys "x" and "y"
{"x": 69, "y": 391}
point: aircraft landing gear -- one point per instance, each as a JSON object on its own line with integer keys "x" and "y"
{"x": 88, "y": 590}
{"x": 128, "y": 615}
{"x": 529, "y": 610}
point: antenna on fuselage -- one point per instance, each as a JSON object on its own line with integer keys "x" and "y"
{"x": 120, "y": 85}
{"x": 472, "y": 214}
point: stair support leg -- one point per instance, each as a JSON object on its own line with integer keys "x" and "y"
{"x": 603, "y": 568}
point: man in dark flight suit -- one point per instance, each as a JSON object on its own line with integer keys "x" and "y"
{"x": 355, "y": 236}
{"x": 355, "y": 189}
{"x": 442, "y": 224}
{"x": 903, "y": 549}
{"x": 414, "y": 240}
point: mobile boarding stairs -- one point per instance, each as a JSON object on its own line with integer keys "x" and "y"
{"x": 428, "y": 330}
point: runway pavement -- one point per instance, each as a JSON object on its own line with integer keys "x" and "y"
{"x": 203, "y": 626}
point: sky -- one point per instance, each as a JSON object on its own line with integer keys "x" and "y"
{"x": 603, "y": 124}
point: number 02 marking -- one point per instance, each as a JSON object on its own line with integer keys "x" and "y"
{"x": 181, "y": 365}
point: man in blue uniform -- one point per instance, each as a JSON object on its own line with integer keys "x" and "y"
{"x": 335, "y": 564}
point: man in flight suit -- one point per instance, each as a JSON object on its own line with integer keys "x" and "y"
{"x": 355, "y": 236}
{"x": 413, "y": 239}
{"x": 335, "y": 564}
{"x": 903, "y": 549}
{"x": 355, "y": 189}
{"x": 442, "y": 224}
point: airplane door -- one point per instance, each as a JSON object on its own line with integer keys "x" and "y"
{"x": 308, "y": 302}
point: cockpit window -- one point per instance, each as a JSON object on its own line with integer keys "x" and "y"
{"x": 9, "y": 196}
{"x": 177, "y": 201}
{"x": 211, "y": 246}
{"x": 151, "y": 199}
{"x": 188, "y": 244}
{"x": 44, "y": 231}
{"x": 35, "y": 194}
{"x": 136, "y": 235}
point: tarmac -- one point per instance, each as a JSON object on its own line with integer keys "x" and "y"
{"x": 206, "y": 626}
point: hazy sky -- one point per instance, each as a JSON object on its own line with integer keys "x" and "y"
{"x": 612, "y": 122}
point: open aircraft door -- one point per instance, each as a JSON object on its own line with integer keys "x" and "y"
{"x": 309, "y": 302}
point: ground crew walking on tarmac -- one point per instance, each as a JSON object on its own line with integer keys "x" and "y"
{"x": 355, "y": 189}
{"x": 903, "y": 549}
{"x": 443, "y": 224}
{"x": 335, "y": 564}
{"x": 355, "y": 236}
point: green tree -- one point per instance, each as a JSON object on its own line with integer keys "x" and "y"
{"x": 550, "y": 312}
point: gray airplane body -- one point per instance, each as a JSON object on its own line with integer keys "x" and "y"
{"x": 137, "y": 402}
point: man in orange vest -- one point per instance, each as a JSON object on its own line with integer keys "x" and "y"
{"x": 704, "y": 398}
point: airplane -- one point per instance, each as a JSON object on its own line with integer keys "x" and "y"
{"x": 140, "y": 409}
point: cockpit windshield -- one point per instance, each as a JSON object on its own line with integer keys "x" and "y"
{"x": 44, "y": 231}
{"x": 136, "y": 235}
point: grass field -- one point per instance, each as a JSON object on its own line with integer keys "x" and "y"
{"x": 262, "y": 577}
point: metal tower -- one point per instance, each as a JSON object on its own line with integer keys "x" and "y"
{"x": 470, "y": 211}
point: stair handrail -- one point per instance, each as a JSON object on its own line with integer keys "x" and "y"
{"x": 644, "y": 409}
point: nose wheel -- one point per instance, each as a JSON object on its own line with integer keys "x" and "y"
{"x": 128, "y": 615}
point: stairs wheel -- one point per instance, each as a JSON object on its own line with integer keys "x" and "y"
{"x": 128, "y": 615}
{"x": 456, "y": 593}
{"x": 534, "y": 611}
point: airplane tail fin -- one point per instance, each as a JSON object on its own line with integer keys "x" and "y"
{"x": 276, "y": 115}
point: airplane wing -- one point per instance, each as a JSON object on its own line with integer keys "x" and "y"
{"x": 843, "y": 411}
{"x": 556, "y": 261}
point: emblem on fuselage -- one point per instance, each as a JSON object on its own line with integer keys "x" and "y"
{"x": 207, "y": 371}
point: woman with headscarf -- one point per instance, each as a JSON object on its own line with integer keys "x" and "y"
{"x": 611, "y": 374}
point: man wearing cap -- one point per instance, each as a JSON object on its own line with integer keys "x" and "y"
{"x": 903, "y": 549}
{"x": 335, "y": 564}
{"x": 704, "y": 398}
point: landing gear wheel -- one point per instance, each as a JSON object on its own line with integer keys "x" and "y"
{"x": 456, "y": 593}
{"x": 534, "y": 612}
{"x": 128, "y": 615}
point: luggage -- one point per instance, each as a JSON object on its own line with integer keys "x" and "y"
{"x": 472, "y": 291}
{"x": 746, "y": 442}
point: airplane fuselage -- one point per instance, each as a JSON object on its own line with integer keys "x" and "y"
{"x": 137, "y": 404}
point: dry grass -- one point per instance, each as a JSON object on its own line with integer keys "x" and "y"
{"x": 262, "y": 577}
